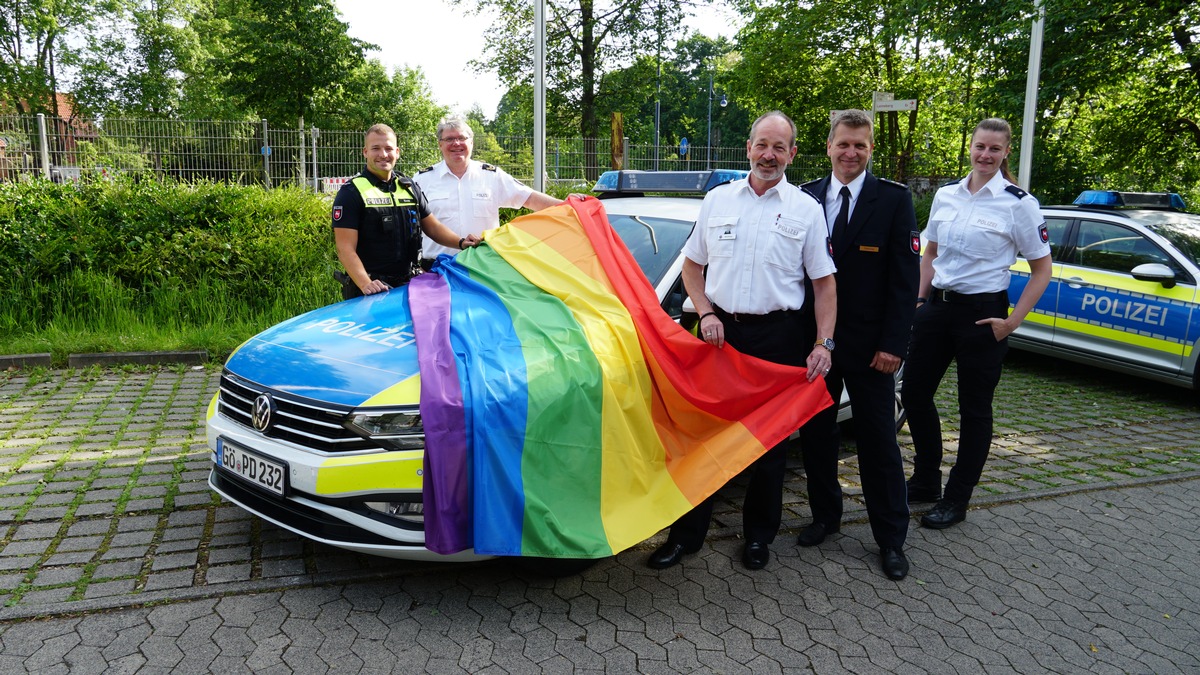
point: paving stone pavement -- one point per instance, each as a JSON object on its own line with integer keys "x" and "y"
{"x": 1084, "y": 531}
{"x": 1096, "y": 581}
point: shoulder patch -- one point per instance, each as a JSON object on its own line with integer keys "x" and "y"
{"x": 1016, "y": 191}
{"x": 426, "y": 169}
{"x": 805, "y": 190}
{"x": 487, "y": 167}
{"x": 893, "y": 183}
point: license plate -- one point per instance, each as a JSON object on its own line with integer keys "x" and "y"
{"x": 252, "y": 468}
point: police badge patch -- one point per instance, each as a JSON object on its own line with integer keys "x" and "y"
{"x": 337, "y": 213}
{"x": 914, "y": 241}
{"x": 1044, "y": 233}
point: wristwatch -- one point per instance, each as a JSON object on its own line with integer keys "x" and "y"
{"x": 827, "y": 343}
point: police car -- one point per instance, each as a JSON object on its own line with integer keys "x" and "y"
{"x": 1123, "y": 292}
{"x": 656, "y": 227}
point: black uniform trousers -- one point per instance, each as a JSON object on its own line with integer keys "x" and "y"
{"x": 778, "y": 340}
{"x": 881, "y": 469}
{"x": 945, "y": 331}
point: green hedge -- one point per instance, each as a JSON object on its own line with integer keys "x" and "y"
{"x": 96, "y": 254}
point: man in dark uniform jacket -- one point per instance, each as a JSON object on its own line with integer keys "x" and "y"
{"x": 875, "y": 245}
{"x": 378, "y": 217}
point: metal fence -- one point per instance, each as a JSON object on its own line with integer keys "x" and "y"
{"x": 256, "y": 153}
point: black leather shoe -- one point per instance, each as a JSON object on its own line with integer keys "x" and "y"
{"x": 944, "y": 514}
{"x": 668, "y": 555}
{"x": 920, "y": 494}
{"x": 755, "y": 555}
{"x": 815, "y": 533}
{"x": 893, "y": 562}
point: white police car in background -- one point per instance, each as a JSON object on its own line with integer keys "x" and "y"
{"x": 656, "y": 227}
{"x": 1123, "y": 292}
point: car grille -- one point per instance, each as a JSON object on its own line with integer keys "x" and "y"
{"x": 304, "y": 423}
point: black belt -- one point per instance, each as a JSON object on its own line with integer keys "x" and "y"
{"x": 748, "y": 319}
{"x": 940, "y": 295}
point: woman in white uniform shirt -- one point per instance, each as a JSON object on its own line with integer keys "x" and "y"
{"x": 976, "y": 227}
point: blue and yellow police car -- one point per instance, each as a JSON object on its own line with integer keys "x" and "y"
{"x": 1123, "y": 294}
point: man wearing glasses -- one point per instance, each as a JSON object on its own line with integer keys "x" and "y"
{"x": 466, "y": 194}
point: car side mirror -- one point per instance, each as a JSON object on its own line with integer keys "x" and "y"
{"x": 1154, "y": 272}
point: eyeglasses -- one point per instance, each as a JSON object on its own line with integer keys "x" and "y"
{"x": 455, "y": 139}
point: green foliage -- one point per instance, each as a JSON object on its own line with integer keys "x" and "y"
{"x": 137, "y": 57}
{"x": 585, "y": 39}
{"x": 283, "y": 53}
{"x": 102, "y": 255}
{"x": 34, "y": 45}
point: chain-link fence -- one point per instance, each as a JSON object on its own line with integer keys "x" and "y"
{"x": 256, "y": 153}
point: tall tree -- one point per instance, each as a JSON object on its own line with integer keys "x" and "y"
{"x": 585, "y": 39}
{"x": 284, "y": 53}
{"x": 137, "y": 59}
{"x": 810, "y": 59}
{"x": 33, "y": 47}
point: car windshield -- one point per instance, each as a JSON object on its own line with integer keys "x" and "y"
{"x": 642, "y": 233}
{"x": 1181, "y": 229}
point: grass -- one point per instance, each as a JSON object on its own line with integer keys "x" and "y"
{"x": 93, "y": 312}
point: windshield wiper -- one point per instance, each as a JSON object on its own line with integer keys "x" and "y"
{"x": 648, "y": 226}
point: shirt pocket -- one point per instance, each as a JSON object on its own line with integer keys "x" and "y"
{"x": 939, "y": 220}
{"x": 785, "y": 243}
{"x": 481, "y": 203}
{"x": 988, "y": 235}
{"x": 720, "y": 235}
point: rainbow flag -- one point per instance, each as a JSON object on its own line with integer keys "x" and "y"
{"x": 566, "y": 415}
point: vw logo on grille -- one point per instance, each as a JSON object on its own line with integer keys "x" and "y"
{"x": 263, "y": 407}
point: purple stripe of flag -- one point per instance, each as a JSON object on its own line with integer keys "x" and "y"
{"x": 446, "y": 493}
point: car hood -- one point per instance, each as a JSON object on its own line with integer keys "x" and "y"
{"x": 354, "y": 353}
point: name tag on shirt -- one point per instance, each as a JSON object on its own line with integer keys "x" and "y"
{"x": 726, "y": 235}
{"x": 789, "y": 227}
{"x": 989, "y": 224}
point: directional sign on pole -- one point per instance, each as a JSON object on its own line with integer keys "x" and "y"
{"x": 902, "y": 104}
{"x": 683, "y": 146}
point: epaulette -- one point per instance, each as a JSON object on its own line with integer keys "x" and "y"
{"x": 426, "y": 169}
{"x": 893, "y": 183}
{"x": 404, "y": 180}
{"x": 811, "y": 182}
{"x": 1016, "y": 191}
{"x": 805, "y": 190}
{"x": 487, "y": 167}
{"x": 956, "y": 181}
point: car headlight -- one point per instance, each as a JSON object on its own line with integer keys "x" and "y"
{"x": 397, "y": 429}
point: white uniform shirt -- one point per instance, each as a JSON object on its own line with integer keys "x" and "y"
{"x": 759, "y": 249}
{"x": 978, "y": 235}
{"x": 833, "y": 198}
{"x": 468, "y": 205}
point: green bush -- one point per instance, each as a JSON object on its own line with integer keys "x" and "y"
{"x": 113, "y": 255}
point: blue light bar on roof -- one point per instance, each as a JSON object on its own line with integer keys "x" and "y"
{"x": 684, "y": 182}
{"x": 1098, "y": 198}
{"x": 1144, "y": 200}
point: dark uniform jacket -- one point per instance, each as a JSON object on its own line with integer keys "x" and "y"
{"x": 878, "y": 272}
{"x": 389, "y": 228}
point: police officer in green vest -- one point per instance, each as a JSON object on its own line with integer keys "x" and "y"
{"x": 378, "y": 218}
